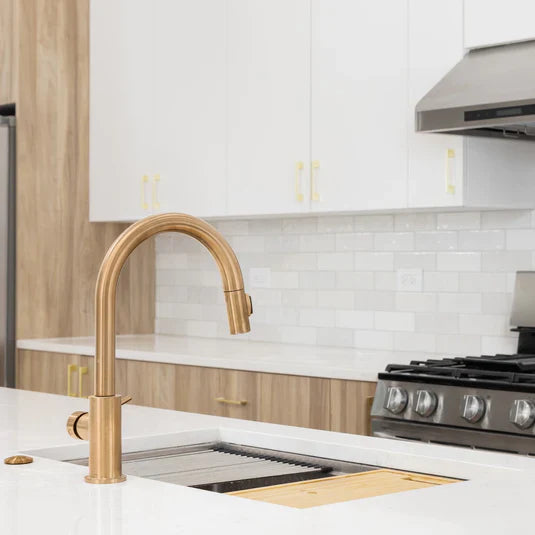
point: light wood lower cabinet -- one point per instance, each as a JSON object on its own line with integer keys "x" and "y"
{"x": 319, "y": 403}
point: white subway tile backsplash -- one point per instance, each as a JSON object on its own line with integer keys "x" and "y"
{"x": 394, "y": 241}
{"x": 506, "y": 219}
{"x": 506, "y": 261}
{"x": 459, "y": 302}
{"x": 438, "y": 323}
{"x": 333, "y": 280}
{"x": 481, "y": 240}
{"x": 482, "y": 324}
{"x": 414, "y": 342}
{"x": 436, "y": 241}
{"x": 394, "y": 321}
{"x": 316, "y": 243}
{"x": 460, "y": 344}
{"x": 356, "y": 280}
{"x": 374, "y": 261}
{"x": 459, "y": 220}
{"x": 437, "y": 281}
{"x": 416, "y": 260}
{"x": 335, "y": 261}
{"x": 416, "y": 301}
{"x": 317, "y": 280}
{"x": 482, "y": 282}
{"x": 373, "y": 223}
{"x": 458, "y": 261}
{"x": 520, "y": 239}
{"x": 317, "y": 317}
{"x": 336, "y": 299}
{"x": 354, "y": 241}
{"x": 415, "y": 221}
{"x": 334, "y": 224}
{"x": 354, "y": 319}
{"x": 374, "y": 339}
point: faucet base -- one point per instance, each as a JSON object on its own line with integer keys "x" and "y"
{"x": 104, "y": 480}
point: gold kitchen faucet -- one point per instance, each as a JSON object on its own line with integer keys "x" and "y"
{"x": 102, "y": 425}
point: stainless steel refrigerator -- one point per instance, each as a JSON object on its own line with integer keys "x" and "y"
{"x": 7, "y": 251}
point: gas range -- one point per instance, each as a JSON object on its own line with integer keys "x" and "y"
{"x": 483, "y": 402}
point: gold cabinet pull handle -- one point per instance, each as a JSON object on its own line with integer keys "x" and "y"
{"x": 314, "y": 170}
{"x": 450, "y": 171}
{"x": 231, "y": 401}
{"x": 299, "y": 166}
{"x": 155, "y": 184}
{"x": 71, "y": 368}
{"x": 82, "y": 370}
{"x": 144, "y": 203}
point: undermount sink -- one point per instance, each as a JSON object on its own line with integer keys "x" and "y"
{"x": 225, "y": 467}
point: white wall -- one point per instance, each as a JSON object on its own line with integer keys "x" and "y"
{"x": 334, "y": 280}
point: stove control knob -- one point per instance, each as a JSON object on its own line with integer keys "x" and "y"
{"x": 473, "y": 408}
{"x": 396, "y": 399}
{"x": 522, "y": 413}
{"x": 426, "y": 403}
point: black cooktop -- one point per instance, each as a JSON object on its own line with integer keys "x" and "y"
{"x": 510, "y": 372}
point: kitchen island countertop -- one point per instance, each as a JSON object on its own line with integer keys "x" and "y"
{"x": 51, "y": 497}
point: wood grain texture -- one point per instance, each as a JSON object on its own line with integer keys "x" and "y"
{"x": 344, "y": 488}
{"x": 8, "y": 51}
{"x": 350, "y": 406}
{"x": 58, "y": 250}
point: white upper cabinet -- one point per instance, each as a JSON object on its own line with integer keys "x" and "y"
{"x": 157, "y": 108}
{"x": 359, "y": 105}
{"x": 268, "y": 106}
{"x": 494, "y": 22}
{"x": 435, "y": 46}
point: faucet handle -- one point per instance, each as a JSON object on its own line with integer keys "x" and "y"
{"x": 78, "y": 422}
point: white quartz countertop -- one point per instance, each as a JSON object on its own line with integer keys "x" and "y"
{"x": 51, "y": 497}
{"x": 313, "y": 361}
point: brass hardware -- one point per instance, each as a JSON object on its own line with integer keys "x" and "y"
{"x": 144, "y": 203}
{"x": 368, "y": 407}
{"x": 82, "y": 370}
{"x": 104, "y": 418}
{"x": 71, "y": 368}
{"x": 299, "y": 166}
{"x": 155, "y": 201}
{"x": 78, "y": 422}
{"x": 231, "y": 401}
{"x": 314, "y": 170}
{"x": 450, "y": 171}
{"x": 18, "y": 459}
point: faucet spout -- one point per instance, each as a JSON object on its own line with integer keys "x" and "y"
{"x": 105, "y": 406}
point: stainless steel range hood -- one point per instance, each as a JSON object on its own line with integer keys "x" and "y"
{"x": 490, "y": 92}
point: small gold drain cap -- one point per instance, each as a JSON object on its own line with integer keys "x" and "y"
{"x": 18, "y": 459}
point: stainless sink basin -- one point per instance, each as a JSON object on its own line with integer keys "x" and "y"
{"x": 225, "y": 467}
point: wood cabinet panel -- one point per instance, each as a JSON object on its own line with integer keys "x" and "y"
{"x": 294, "y": 400}
{"x": 313, "y": 402}
{"x": 350, "y": 406}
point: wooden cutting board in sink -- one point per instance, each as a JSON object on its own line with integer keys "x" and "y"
{"x": 344, "y": 488}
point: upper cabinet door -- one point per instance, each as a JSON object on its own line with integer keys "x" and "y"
{"x": 359, "y": 104}
{"x": 189, "y": 108}
{"x": 157, "y": 108}
{"x": 268, "y": 106}
{"x": 435, "y": 46}
{"x": 494, "y": 22}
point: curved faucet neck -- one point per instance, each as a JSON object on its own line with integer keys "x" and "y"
{"x": 238, "y": 304}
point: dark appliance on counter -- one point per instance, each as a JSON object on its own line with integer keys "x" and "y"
{"x": 484, "y": 402}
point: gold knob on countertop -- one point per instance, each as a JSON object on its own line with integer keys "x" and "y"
{"x": 18, "y": 459}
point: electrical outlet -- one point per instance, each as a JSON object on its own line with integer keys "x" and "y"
{"x": 260, "y": 277}
{"x": 409, "y": 280}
